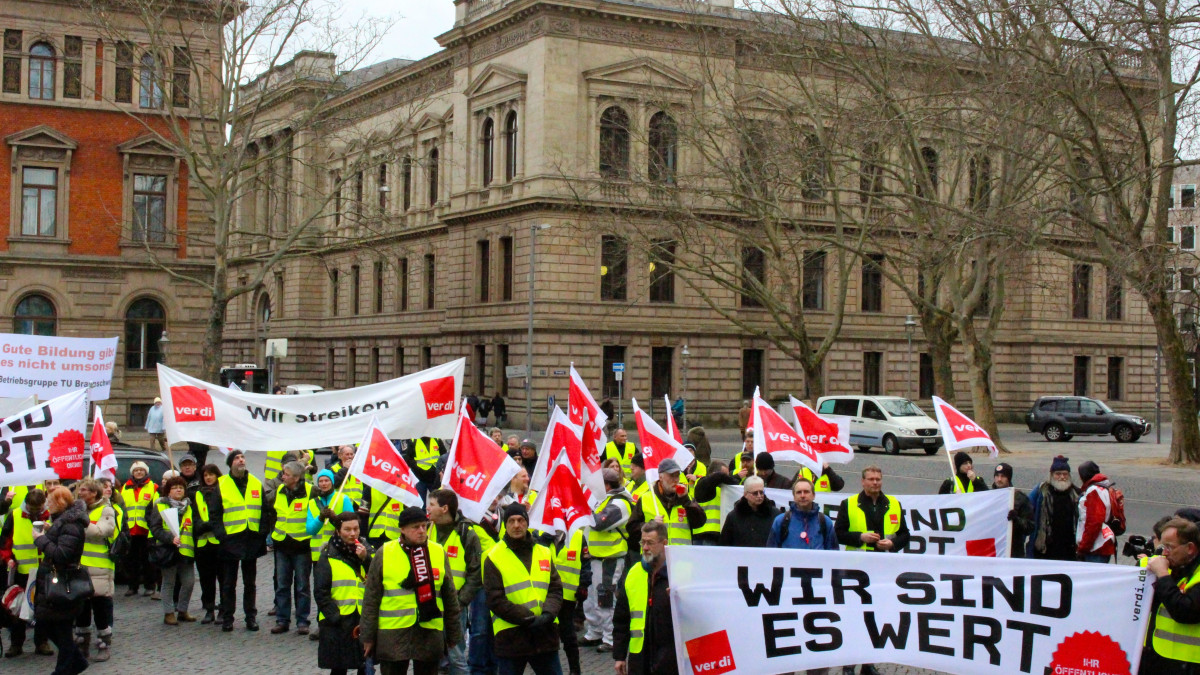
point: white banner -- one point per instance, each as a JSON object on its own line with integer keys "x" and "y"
{"x": 52, "y": 366}
{"x": 785, "y": 610}
{"x": 45, "y": 441}
{"x": 973, "y": 524}
{"x": 421, "y": 404}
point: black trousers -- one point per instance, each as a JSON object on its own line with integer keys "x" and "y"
{"x": 229, "y": 578}
{"x": 137, "y": 563}
{"x": 98, "y": 608}
{"x": 62, "y": 634}
{"x": 208, "y": 568}
{"x": 401, "y": 667}
{"x": 566, "y": 633}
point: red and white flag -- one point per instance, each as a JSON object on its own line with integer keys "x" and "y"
{"x": 564, "y": 438}
{"x": 773, "y": 435}
{"x": 378, "y": 464}
{"x": 581, "y": 406}
{"x": 960, "y": 431}
{"x": 477, "y": 469}
{"x": 671, "y": 428}
{"x": 104, "y": 460}
{"x": 828, "y": 435}
{"x": 657, "y": 445}
{"x": 562, "y": 505}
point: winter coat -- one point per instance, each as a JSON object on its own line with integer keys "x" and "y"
{"x": 99, "y": 533}
{"x": 61, "y": 547}
{"x": 658, "y": 647}
{"x": 748, "y": 526}
{"x": 1093, "y": 514}
{"x": 413, "y": 642}
{"x": 521, "y": 641}
{"x": 1022, "y": 522}
{"x": 245, "y": 545}
{"x": 810, "y": 529}
{"x": 1041, "y": 544}
{"x": 947, "y": 487}
{"x": 162, "y": 538}
{"x": 338, "y": 648}
{"x": 777, "y": 481}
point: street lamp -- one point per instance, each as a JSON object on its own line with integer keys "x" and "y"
{"x": 163, "y": 343}
{"x": 533, "y": 230}
{"x": 910, "y": 325}
{"x": 685, "y": 353}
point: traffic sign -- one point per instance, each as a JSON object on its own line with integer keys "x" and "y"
{"x": 618, "y": 367}
{"x": 618, "y": 375}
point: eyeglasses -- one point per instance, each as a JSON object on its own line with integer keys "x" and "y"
{"x": 756, "y": 493}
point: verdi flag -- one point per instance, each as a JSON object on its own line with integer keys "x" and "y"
{"x": 582, "y": 407}
{"x": 828, "y": 436}
{"x": 45, "y": 441}
{"x": 671, "y": 428}
{"x": 564, "y": 438}
{"x": 378, "y": 464}
{"x": 657, "y": 445}
{"x": 562, "y": 505}
{"x": 104, "y": 460}
{"x": 773, "y": 435}
{"x": 477, "y": 469}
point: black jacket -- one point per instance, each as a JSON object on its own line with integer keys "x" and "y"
{"x": 658, "y": 647}
{"x": 161, "y": 537}
{"x": 1022, "y": 522}
{"x": 61, "y": 547}
{"x": 747, "y": 526}
{"x": 1184, "y": 608}
{"x": 522, "y": 641}
{"x": 874, "y": 512}
{"x": 947, "y": 487}
{"x": 245, "y": 545}
{"x": 338, "y": 648}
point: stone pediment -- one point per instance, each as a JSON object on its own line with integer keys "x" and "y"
{"x": 42, "y": 136}
{"x": 494, "y": 78}
{"x": 763, "y": 101}
{"x": 640, "y": 73}
{"x": 149, "y": 144}
{"x": 430, "y": 120}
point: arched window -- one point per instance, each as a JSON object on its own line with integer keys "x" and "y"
{"x": 150, "y": 82}
{"x": 487, "y": 153}
{"x": 664, "y": 148}
{"x": 145, "y": 322}
{"x": 406, "y": 183}
{"x": 510, "y": 146}
{"x": 41, "y": 72}
{"x": 35, "y": 315}
{"x": 614, "y": 143}
{"x": 263, "y": 315}
{"x": 929, "y": 163}
{"x": 433, "y": 176}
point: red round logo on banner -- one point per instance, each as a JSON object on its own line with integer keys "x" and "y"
{"x": 66, "y": 455}
{"x": 1090, "y": 652}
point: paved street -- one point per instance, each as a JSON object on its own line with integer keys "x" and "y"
{"x": 143, "y": 644}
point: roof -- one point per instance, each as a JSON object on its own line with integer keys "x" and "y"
{"x": 360, "y": 76}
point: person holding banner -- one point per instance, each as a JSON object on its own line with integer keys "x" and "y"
{"x": 964, "y": 480}
{"x": 764, "y": 468}
{"x": 1174, "y": 644}
{"x": 707, "y": 494}
{"x": 1055, "y": 510}
{"x": 643, "y": 631}
{"x": 668, "y": 502}
{"x": 1021, "y": 514}
{"x": 240, "y": 511}
{"x": 101, "y": 531}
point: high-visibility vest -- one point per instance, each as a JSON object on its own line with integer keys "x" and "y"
{"x": 525, "y": 587}
{"x": 274, "y": 464}
{"x": 23, "y": 548}
{"x": 398, "y": 607}
{"x": 202, "y": 514}
{"x": 607, "y": 543}
{"x": 624, "y": 455}
{"x": 569, "y": 563}
{"x": 319, "y": 539}
{"x": 712, "y": 515}
{"x": 640, "y": 490}
{"x": 96, "y": 555}
{"x": 486, "y": 542}
{"x": 637, "y": 593}
{"x": 958, "y": 489}
{"x": 136, "y": 500}
{"x": 384, "y": 518}
{"x": 291, "y": 518}
{"x": 699, "y": 472}
{"x": 858, "y": 520}
{"x": 678, "y": 531}
{"x": 1174, "y": 640}
{"x": 346, "y": 589}
{"x": 456, "y": 554}
{"x": 352, "y": 487}
{"x": 426, "y": 455}
{"x": 187, "y": 546}
{"x": 820, "y": 484}
{"x": 240, "y": 511}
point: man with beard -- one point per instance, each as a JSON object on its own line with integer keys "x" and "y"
{"x": 1021, "y": 514}
{"x": 643, "y": 633}
{"x": 1055, "y": 509}
{"x": 239, "y": 511}
{"x": 668, "y": 502}
{"x": 964, "y": 480}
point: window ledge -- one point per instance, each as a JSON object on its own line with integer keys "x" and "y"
{"x": 129, "y": 243}
{"x": 27, "y": 239}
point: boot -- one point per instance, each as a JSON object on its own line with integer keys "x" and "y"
{"x": 208, "y": 617}
{"x": 170, "y": 619}
{"x": 44, "y": 649}
{"x": 14, "y": 650}
{"x": 103, "y": 641}
{"x": 83, "y": 638}
{"x": 186, "y": 618}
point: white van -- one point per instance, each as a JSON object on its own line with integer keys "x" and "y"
{"x": 889, "y": 422}
{"x": 303, "y": 389}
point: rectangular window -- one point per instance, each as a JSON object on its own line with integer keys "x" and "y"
{"x": 814, "y": 280}
{"x": 378, "y": 279}
{"x": 383, "y": 188}
{"x": 406, "y": 184}
{"x": 1187, "y": 237}
{"x": 72, "y": 66}
{"x": 426, "y": 357}
{"x": 501, "y": 368}
{"x": 337, "y": 199}
{"x": 280, "y": 296}
{"x": 872, "y": 283}
{"x": 1081, "y": 291}
{"x": 150, "y": 82}
{"x": 123, "y": 82}
{"x": 355, "y": 288}
{"x": 660, "y": 371}
{"x": 181, "y": 78}
{"x": 1187, "y": 279}
{"x": 39, "y": 201}
{"x": 1171, "y": 197}
{"x": 12, "y": 61}
{"x": 351, "y": 367}
{"x": 662, "y": 271}
{"x": 398, "y": 364}
{"x": 402, "y": 285}
{"x": 612, "y": 354}
{"x": 1114, "y": 296}
{"x": 430, "y": 278}
{"x": 358, "y": 196}
{"x": 483, "y": 263}
{"x": 754, "y": 276}
{"x": 752, "y": 371}
{"x": 1187, "y": 196}
{"x": 149, "y": 208}
{"x": 506, "y": 268}
{"x": 925, "y": 377}
{"x": 334, "y": 282}
{"x": 330, "y": 363}
{"x": 479, "y": 368}
{"x": 374, "y": 365}
{"x": 614, "y": 263}
{"x": 1083, "y": 364}
{"x": 1116, "y": 376}
{"x": 872, "y": 382}
{"x": 138, "y": 413}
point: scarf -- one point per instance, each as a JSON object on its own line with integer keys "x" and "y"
{"x": 346, "y": 552}
{"x": 420, "y": 580}
{"x": 1046, "y": 516}
{"x": 180, "y": 506}
{"x": 138, "y": 483}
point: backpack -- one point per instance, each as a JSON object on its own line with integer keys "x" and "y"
{"x": 1116, "y": 502}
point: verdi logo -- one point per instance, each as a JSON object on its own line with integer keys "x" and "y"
{"x": 191, "y": 404}
{"x": 439, "y": 397}
{"x": 710, "y": 654}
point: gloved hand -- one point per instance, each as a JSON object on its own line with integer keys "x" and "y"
{"x": 542, "y": 620}
{"x": 1012, "y": 513}
{"x": 327, "y": 513}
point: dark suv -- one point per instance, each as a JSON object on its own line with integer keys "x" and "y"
{"x": 1058, "y": 418}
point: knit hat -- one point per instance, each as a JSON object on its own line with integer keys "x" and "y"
{"x": 528, "y": 443}
{"x": 638, "y": 460}
{"x": 157, "y": 399}
{"x": 668, "y": 465}
{"x": 1088, "y": 470}
{"x": 231, "y": 456}
{"x": 139, "y": 465}
{"x": 169, "y": 474}
{"x": 412, "y": 515}
{"x": 764, "y": 462}
{"x": 612, "y": 477}
{"x": 961, "y": 458}
{"x": 326, "y": 473}
{"x": 514, "y": 509}
{"x": 1003, "y": 469}
{"x": 1060, "y": 463}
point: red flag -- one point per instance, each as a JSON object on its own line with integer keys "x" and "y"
{"x": 581, "y": 406}
{"x": 378, "y": 464}
{"x": 657, "y": 444}
{"x": 477, "y": 469}
{"x": 829, "y": 436}
{"x": 104, "y": 460}
{"x": 564, "y": 438}
{"x": 960, "y": 431}
{"x": 772, "y": 434}
{"x": 671, "y": 428}
{"x": 562, "y": 506}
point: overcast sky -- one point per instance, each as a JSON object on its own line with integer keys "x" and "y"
{"x": 418, "y": 22}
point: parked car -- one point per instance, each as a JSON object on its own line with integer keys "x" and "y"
{"x": 889, "y": 422}
{"x": 126, "y": 456}
{"x": 1060, "y": 418}
{"x": 303, "y": 389}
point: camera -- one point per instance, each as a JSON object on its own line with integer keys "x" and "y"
{"x": 1137, "y": 545}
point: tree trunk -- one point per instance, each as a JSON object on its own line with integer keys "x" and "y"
{"x": 940, "y": 335}
{"x": 814, "y": 380}
{"x": 979, "y": 368}
{"x": 1185, "y": 432}
{"x": 214, "y": 325}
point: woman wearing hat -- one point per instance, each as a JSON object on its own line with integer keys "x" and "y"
{"x": 139, "y": 494}
{"x": 321, "y": 511}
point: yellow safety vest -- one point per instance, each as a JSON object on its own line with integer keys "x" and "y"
{"x": 1174, "y": 640}
{"x": 624, "y": 456}
{"x": 202, "y": 514}
{"x": 136, "y": 500}
{"x": 384, "y": 519}
{"x": 608, "y": 543}
{"x": 96, "y": 555}
{"x": 352, "y": 487}
{"x": 678, "y": 531}
{"x": 24, "y": 550}
{"x": 819, "y": 484}
{"x": 958, "y": 489}
{"x": 274, "y": 464}
{"x": 637, "y": 593}
{"x": 640, "y": 490}
{"x": 456, "y": 555}
{"x": 485, "y": 541}
{"x": 525, "y": 587}
{"x": 700, "y": 472}
{"x": 858, "y": 520}
{"x": 319, "y": 539}
{"x": 346, "y": 589}
{"x": 291, "y": 518}
{"x": 569, "y": 563}
{"x": 426, "y": 455}
{"x": 240, "y": 511}
{"x": 712, "y": 515}
{"x": 398, "y": 607}
{"x": 187, "y": 546}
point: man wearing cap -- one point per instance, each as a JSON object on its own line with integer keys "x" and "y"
{"x": 291, "y": 546}
{"x": 668, "y": 502}
{"x": 139, "y": 493}
{"x": 620, "y": 449}
{"x": 525, "y": 594}
{"x": 1021, "y": 513}
{"x": 154, "y": 426}
{"x": 764, "y": 468}
{"x": 1055, "y": 509}
{"x": 1095, "y": 540}
{"x": 410, "y": 610}
{"x": 189, "y": 470}
{"x": 964, "y": 479}
{"x": 240, "y": 510}
{"x": 608, "y": 545}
